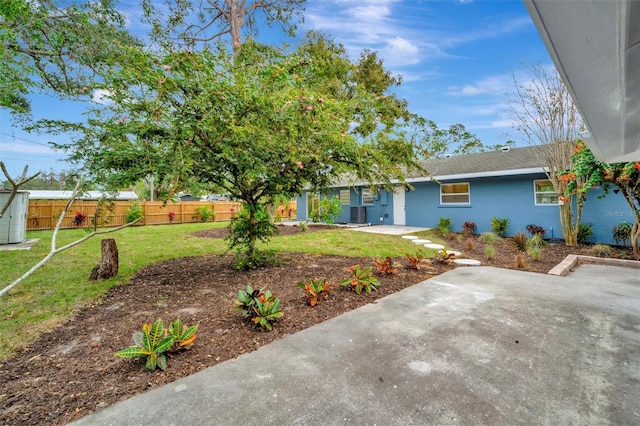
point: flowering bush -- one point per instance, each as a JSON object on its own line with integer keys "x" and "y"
{"x": 171, "y": 216}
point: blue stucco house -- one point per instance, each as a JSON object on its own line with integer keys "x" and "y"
{"x": 508, "y": 183}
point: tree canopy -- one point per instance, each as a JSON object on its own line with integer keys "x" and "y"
{"x": 257, "y": 122}
{"x": 56, "y": 46}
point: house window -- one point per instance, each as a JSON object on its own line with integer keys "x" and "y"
{"x": 367, "y": 197}
{"x": 313, "y": 204}
{"x": 546, "y": 195}
{"x": 454, "y": 193}
{"x": 345, "y": 197}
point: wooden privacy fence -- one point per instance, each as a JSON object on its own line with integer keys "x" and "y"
{"x": 44, "y": 214}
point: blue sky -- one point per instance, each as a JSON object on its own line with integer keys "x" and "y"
{"x": 457, "y": 59}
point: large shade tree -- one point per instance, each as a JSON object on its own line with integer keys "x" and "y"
{"x": 257, "y": 122}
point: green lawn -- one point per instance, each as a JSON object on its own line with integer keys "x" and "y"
{"x": 60, "y": 287}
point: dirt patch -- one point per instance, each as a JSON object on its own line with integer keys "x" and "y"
{"x": 71, "y": 372}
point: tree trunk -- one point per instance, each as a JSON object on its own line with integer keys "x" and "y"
{"x": 569, "y": 231}
{"x": 635, "y": 235}
{"x": 108, "y": 266}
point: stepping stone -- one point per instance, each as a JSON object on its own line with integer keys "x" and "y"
{"x": 410, "y": 237}
{"x": 455, "y": 253}
{"x": 434, "y": 246}
{"x": 420, "y": 241}
{"x": 467, "y": 262}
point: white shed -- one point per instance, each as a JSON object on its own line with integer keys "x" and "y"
{"x": 13, "y": 225}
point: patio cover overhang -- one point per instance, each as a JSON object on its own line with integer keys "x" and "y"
{"x": 595, "y": 45}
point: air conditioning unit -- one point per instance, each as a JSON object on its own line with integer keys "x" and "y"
{"x": 358, "y": 215}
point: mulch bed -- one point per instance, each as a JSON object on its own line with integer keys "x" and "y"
{"x": 71, "y": 372}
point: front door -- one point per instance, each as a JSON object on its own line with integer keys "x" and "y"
{"x": 399, "y": 214}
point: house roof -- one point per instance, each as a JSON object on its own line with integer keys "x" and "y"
{"x": 595, "y": 46}
{"x": 506, "y": 162}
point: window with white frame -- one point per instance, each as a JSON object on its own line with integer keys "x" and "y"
{"x": 545, "y": 194}
{"x": 345, "y": 197}
{"x": 454, "y": 193}
{"x": 367, "y": 197}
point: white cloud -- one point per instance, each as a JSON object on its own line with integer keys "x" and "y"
{"x": 400, "y": 51}
{"x": 101, "y": 96}
{"x": 497, "y": 85}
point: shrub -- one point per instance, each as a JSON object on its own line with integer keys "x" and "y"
{"x": 536, "y": 241}
{"x": 304, "y": 227}
{"x": 171, "y": 216}
{"x": 316, "y": 290}
{"x": 79, "y": 219}
{"x": 601, "y": 250}
{"x": 469, "y": 245}
{"x": 488, "y": 237}
{"x": 622, "y": 233}
{"x": 520, "y": 241}
{"x": 245, "y": 233}
{"x": 584, "y": 232}
{"x": 260, "y": 306}
{"x": 535, "y": 252}
{"x": 469, "y": 228}
{"x": 443, "y": 256}
{"x": 204, "y": 213}
{"x": 329, "y": 209}
{"x": 490, "y": 251}
{"x": 520, "y": 261}
{"x": 536, "y": 230}
{"x": 444, "y": 226}
{"x": 135, "y": 212}
{"x": 500, "y": 226}
{"x": 386, "y": 266}
{"x": 414, "y": 261}
{"x": 361, "y": 279}
{"x": 154, "y": 340}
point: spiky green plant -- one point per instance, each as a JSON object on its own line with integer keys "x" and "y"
{"x": 154, "y": 340}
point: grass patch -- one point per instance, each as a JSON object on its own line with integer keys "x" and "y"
{"x": 61, "y": 287}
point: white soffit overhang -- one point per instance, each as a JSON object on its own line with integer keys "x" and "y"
{"x": 595, "y": 45}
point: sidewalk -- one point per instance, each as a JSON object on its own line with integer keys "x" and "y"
{"x": 472, "y": 346}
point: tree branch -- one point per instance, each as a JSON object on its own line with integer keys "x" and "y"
{"x": 55, "y": 250}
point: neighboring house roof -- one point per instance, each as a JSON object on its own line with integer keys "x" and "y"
{"x": 89, "y": 195}
{"x": 506, "y": 162}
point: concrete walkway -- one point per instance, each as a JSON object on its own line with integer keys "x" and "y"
{"x": 473, "y": 346}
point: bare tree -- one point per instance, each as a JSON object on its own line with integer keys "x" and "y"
{"x": 216, "y": 18}
{"x": 544, "y": 113}
{"x": 15, "y": 185}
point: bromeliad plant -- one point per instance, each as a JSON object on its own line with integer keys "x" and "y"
{"x": 154, "y": 340}
{"x": 361, "y": 279}
{"x": 260, "y": 306}
{"x": 386, "y": 266}
{"x": 316, "y": 289}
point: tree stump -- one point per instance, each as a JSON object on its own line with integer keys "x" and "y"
{"x": 108, "y": 266}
